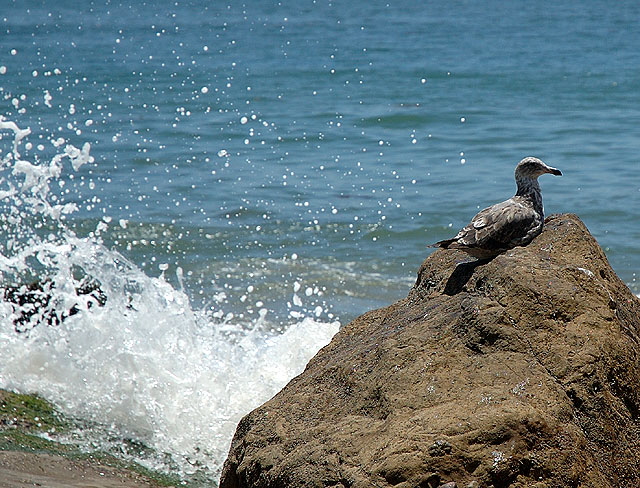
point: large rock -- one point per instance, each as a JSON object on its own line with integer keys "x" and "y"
{"x": 522, "y": 372}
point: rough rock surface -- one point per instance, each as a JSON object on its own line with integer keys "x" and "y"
{"x": 520, "y": 372}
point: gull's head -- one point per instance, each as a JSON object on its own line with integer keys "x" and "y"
{"x": 533, "y": 167}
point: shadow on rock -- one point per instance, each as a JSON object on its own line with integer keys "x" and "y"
{"x": 461, "y": 275}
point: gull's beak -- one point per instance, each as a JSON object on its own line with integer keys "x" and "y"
{"x": 554, "y": 171}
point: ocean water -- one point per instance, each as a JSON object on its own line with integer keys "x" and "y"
{"x": 204, "y": 191}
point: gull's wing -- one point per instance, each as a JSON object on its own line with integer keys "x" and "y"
{"x": 499, "y": 227}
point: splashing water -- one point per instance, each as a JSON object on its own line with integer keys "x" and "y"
{"x": 121, "y": 351}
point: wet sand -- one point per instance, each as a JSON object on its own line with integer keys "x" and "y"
{"x": 23, "y": 469}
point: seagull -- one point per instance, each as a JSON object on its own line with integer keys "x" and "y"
{"x": 514, "y": 222}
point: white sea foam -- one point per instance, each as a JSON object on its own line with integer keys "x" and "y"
{"x": 136, "y": 362}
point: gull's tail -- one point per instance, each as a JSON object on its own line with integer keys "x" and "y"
{"x": 443, "y": 244}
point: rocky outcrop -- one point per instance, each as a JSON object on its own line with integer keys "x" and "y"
{"x": 520, "y": 372}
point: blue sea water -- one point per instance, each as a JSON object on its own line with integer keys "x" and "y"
{"x": 261, "y": 172}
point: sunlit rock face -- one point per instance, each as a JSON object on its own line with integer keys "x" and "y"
{"x": 522, "y": 371}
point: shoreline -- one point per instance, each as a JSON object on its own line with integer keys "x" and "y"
{"x": 24, "y": 468}
{"x": 29, "y": 459}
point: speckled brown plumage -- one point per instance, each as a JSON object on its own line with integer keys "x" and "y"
{"x": 514, "y": 222}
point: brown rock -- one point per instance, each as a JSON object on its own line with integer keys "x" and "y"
{"x": 520, "y": 372}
